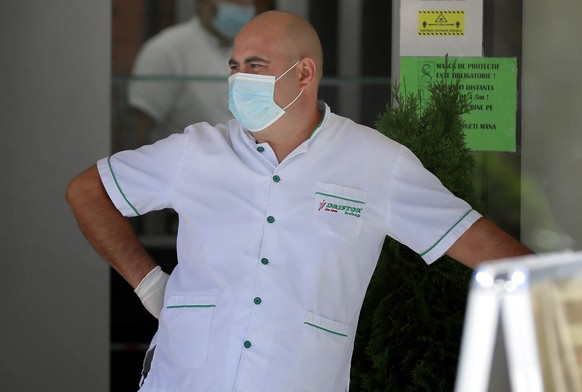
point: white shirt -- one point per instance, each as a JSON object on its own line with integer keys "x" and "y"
{"x": 274, "y": 259}
{"x": 178, "y": 52}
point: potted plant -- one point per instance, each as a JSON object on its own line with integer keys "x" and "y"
{"x": 411, "y": 323}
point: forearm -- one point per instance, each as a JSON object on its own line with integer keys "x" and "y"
{"x": 484, "y": 241}
{"x": 110, "y": 233}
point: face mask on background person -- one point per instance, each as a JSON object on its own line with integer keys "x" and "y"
{"x": 230, "y": 18}
{"x": 251, "y": 99}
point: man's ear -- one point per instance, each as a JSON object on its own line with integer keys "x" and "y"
{"x": 307, "y": 71}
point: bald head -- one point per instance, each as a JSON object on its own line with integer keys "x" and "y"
{"x": 291, "y": 33}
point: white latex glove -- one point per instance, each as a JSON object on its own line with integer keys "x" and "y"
{"x": 151, "y": 290}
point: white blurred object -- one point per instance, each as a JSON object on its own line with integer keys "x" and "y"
{"x": 528, "y": 309}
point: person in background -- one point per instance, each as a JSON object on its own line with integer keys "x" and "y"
{"x": 283, "y": 213}
{"x": 198, "y": 47}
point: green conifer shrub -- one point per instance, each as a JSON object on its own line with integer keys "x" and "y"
{"x": 411, "y": 322}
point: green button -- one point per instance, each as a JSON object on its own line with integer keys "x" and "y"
{"x": 276, "y": 178}
{"x": 260, "y": 149}
{"x": 265, "y": 261}
{"x": 270, "y": 219}
{"x": 248, "y": 344}
{"x": 258, "y": 301}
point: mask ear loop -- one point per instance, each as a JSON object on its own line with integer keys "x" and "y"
{"x": 296, "y": 98}
{"x": 290, "y": 68}
{"x": 300, "y": 92}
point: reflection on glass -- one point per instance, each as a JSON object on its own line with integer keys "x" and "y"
{"x": 558, "y": 318}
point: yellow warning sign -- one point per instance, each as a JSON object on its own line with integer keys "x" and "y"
{"x": 441, "y": 22}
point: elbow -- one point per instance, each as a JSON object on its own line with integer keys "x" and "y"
{"x": 72, "y": 193}
{"x": 82, "y": 186}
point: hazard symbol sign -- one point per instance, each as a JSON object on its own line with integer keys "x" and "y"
{"x": 441, "y": 22}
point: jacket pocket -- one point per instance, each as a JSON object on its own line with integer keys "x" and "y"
{"x": 186, "y": 323}
{"x": 338, "y": 210}
{"x": 323, "y": 345}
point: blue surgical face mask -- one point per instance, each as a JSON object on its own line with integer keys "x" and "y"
{"x": 230, "y": 18}
{"x": 251, "y": 99}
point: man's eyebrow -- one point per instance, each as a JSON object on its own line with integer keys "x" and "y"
{"x": 252, "y": 59}
{"x": 256, "y": 59}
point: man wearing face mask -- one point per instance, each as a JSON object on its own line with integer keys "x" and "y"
{"x": 199, "y": 47}
{"x": 283, "y": 211}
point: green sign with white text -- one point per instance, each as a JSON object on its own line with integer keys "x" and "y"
{"x": 491, "y": 84}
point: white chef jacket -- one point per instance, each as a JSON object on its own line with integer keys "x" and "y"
{"x": 179, "y": 51}
{"x": 274, "y": 259}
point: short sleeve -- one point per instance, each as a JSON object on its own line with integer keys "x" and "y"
{"x": 142, "y": 180}
{"x": 422, "y": 213}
